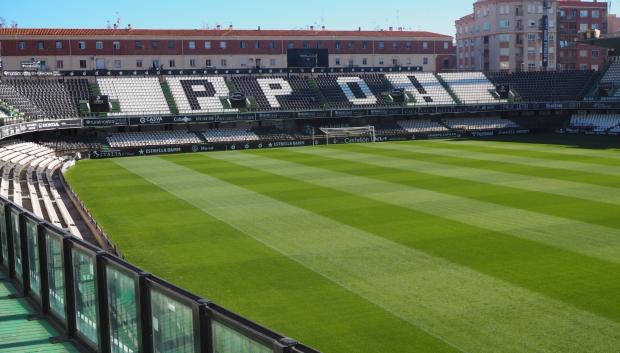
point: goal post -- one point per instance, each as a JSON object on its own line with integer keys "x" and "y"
{"x": 349, "y": 132}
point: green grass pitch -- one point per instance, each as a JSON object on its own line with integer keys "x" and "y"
{"x": 465, "y": 246}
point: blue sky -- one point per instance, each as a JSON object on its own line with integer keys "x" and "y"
{"x": 436, "y": 16}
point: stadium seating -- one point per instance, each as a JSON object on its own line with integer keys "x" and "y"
{"x": 136, "y": 95}
{"x": 49, "y": 95}
{"x": 424, "y": 87}
{"x": 199, "y": 94}
{"x": 24, "y": 105}
{"x": 612, "y": 76}
{"x": 155, "y": 138}
{"x": 230, "y": 135}
{"x": 422, "y": 126}
{"x": 28, "y": 179}
{"x": 479, "y": 124}
{"x": 596, "y": 122}
{"x": 546, "y": 86}
{"x": 471, "y": 87}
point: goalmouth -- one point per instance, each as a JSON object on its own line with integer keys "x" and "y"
{"x": 348, "y": 132}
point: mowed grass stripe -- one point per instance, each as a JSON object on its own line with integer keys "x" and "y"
{"x": 171, "y": 238}
{"x": 480, "y": 153}
{"x": 494, "y": 173}
{"x": 581, "y": 177}
{"x": 397, "y": 206}
{"x": 484, "y": 206}
{"x": 474, "y": 312}
{"x": 606, "y": 156}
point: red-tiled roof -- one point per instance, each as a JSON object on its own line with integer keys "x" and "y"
{"x": 212, "y": 33}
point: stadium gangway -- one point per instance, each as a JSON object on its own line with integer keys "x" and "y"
{"x": 85, "y": 292}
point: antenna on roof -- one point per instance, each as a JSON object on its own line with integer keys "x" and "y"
{"x": 2, "y": 22}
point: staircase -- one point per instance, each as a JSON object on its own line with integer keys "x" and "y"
{"x": 445, "y": 85}
{"x": 169, "y": 98}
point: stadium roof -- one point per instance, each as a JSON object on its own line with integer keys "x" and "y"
{"x": 214, "y": 33}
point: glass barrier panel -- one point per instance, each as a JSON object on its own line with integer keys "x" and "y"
{"x": 85, "y": 296}
{"x": 173, "y": 325}
{"x": 3, "y": 237}
{"x": 228, "y": 340}
{"x": 33, "y": 257}
{"x": 122, "y": 311}
{"x": 55, "y": 275}
{"x": 17, "y": 246}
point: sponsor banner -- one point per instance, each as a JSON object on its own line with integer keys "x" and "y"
{"x": 105, "y": 122}
{"x": 157, "y": 150}
{"x": 43, "y": 125}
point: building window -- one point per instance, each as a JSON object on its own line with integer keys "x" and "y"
{"x": 364, "y": 61}
{"x": 408, "y": 45}
{"x": 337, "y": 61}
{"x": 21, "y": 45}
{"x": 306, "y": 45}
{"x": 446, "y": 45}
{"x": 208, "y": 63}
{"x": 395, "y": 45}
{"x": 60, "y": 64}
{"x": 170, "y": 44}
{"x": 273, "y": 62}
{"x": 257, "y": 44}
{"x": 242, "y": 45}
{"x": 424, "y": 45}
{"x": 425, "y": 61}
{"x": 116, "y": 64}
{"x": 337, "y": 45}
{"x": 381, "y": 45}
{"x": 381, "y": 62}
{"x": 82, "y": 45}
{"x": 58, "y": 45}
{"x": 365, "y": 45}
{"x": 223, "y": 63}
{"x": 154, "y": 44}
{"x": 116, "y": 45}
{"x": 82, "y": 64}
{"x": 172, "y": 63}
{"x": 191, "y": 45}
{"x": 156, "y": 64}
{"x": 223, "y": 45}
{"x": 207, "y": 44}
{"x": 583, "y": 13}
{"x": 350, "y": 45}
{"x": 272, "y": 45}
{"x": 596, "y": 14}
{"x": 99, "y": 45}
{"x": 139, "y": 45}
{"x": 192, "y": 62}
{"x": 139, "y": 63}
{"x": 504, "y": 24}
{"x": 595, "y": 53}
{"x": 394, "y": 62}
{"x": 41, "y": 45}
{"x": 291, "y": 45}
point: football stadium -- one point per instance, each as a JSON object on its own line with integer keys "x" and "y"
{"x": 312, "y": 191}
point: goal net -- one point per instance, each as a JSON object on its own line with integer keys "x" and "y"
{"x": 349, "y": 132}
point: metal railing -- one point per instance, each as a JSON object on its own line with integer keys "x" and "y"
{"x": 105, "y": 304}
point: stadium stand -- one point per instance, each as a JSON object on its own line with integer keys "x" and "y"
{"x": 78, "y": 89}
{"x": 547, "y": 86}
{"x": 421, "y": 126}
{"x": 596, "y": 122}
{"x": 230, "y": 135}
{"x": 471, "y": 87}
{"x": 155, "y": 138}
{"x": 49, "y": 95}
{"x": 136, "y": 95}
{"x": 479, "y": 124}
{"x": 199, "y": 94}
{"x": 251, "y": 87}
{"x": 304, "y": 97}
{"x": 612, "y": 76}
{"x": 28, "y": 180}
{"x": 424, "y": 87}
{"x": 12, "y": 97}
{"x": 336, "y": 98}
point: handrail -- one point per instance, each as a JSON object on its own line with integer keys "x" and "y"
{"x": 148, "y": 314}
